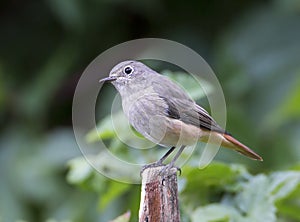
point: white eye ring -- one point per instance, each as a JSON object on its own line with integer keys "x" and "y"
{"x": 128, "y": 70}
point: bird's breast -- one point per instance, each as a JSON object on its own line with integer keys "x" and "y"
{"x": 148, "y": 115}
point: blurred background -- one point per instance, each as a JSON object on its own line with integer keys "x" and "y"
{"x": 253, "y": 47}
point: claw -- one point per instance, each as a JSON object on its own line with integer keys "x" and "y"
{"x": 168, "y": 168}
{"x": 179, "y": 170}
{"x": 155, "y": 164}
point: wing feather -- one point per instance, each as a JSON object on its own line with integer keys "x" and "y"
{"x": 181, "y": 106}
{"x": 191, "y": 113}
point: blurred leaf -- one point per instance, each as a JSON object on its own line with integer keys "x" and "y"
{"x": 114, "y": 190}
{"x": 259, "y": 55}
{"x": 68, "y": 12}
{"x": 263, "y": 56}
{"x": 123, "y": 218}
{"x": 289, "y": 109}
{"x": 288, "y": 5}
{"x": 2, "y": 90}
{"x": 289, "y": 206}
{"x": 260, "y": 73}
{"x": 215, "y": 174}
{"x": 115, "y": 168}
{"x": 235, "y": 195}
{"x": 204, "y": 185}
{"x": 38, "y": 93}
{"x": 215, "y": 212}
{"x": 267, "y": 63}
{"x": 116, "y": 127}
{"x": 79, "y": 171}
{"x": 32, "y": 170}
{"x": 258, "y": 197}
{"x": 190, "y": 84}
{"x": 254, "y": 200}
{"x": 93, "y": 176}
{"x": 103, "y": 132}
{"x": 283, "y": 183}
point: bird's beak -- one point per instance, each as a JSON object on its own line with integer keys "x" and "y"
{"x": 108, "y": 79}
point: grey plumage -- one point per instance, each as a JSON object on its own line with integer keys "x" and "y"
{"x": 163, "y": 112}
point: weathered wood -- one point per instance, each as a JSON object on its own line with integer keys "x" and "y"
{"x": 159, "y": 196}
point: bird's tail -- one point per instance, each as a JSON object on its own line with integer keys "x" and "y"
{"x": 232, "y": 143}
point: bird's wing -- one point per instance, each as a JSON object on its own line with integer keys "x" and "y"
{"x": 181, "y": 106}
{"x": 178, "y": 105}
{"x": 191, "y": 113}
{"x": 162, "y": 85}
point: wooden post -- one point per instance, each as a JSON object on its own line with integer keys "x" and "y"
{"x": 159, "y": 196}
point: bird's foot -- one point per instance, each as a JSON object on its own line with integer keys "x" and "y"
{"x": 152, "y": 165}
{"x": 166, "y": 170}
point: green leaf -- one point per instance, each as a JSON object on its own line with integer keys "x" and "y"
{"x": 116, "y": 126}
{"x": 79, "y": 171}
{"x": 114, "y": 190}
{"x": 254, "y": 200}
{"x": 68, "y": 12}
{"x": 104, "y": 130}
{"x": 37, "y": 94}
{"x": 204, "y": 185}
{"x": 287, "y": 194}
{"x": 123, "y": 218}
{"x": 215, "y": 212}
{"x": 258, "y": 196}
{"x": 83, "y": 174}
{"x": 215, "y": 174}
{"x": 230, "y": 193}
{"x": 283, "y": 183}
{"x": 190, "y": 84}
{"x": 289, "y": 206}
{"x": 288, "y": 109}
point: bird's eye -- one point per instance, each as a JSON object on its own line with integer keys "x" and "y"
{"x": 128, "y": 70}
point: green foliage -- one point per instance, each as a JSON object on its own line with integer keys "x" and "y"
{"x": 223, "y": 192}
{"x": 45, "y": 46}
{"x": 109, "y": 191}
{"x": 123, "y": 218}
{"x": 289, "y": 109}
{"x": 235, "y": 195}
{"x": 190, "y": 84}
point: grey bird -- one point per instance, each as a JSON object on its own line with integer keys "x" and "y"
{"x": 163, "y": 112}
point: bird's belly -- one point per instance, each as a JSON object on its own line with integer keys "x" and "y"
{"x": 174, "y": 132}
{"x": 147, "y": 115}
{"x": 166, "y": 131}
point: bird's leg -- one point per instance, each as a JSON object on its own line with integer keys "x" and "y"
{"x": 172, "y": 163}
{"x": 160, "y": 161}
{"x": 176, "y": 156}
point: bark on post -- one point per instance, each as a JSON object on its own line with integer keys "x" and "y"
{"x": 159, "y": 196}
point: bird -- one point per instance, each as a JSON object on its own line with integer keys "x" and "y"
{"x": 164, "y": 113}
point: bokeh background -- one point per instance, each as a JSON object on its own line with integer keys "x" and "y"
{"x": 253, "y": 47}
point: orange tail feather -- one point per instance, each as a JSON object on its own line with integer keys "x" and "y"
{"x": 241, "y": 148}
